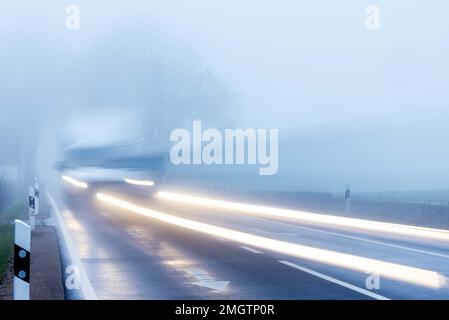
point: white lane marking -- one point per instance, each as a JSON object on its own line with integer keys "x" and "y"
{"x": 436, "y": 254}
{"x": 205, "y": 280}
{"x": 336, "y": 281}
{"x": 251, "y": 249}
{"x": 212, "y": 284}
{"x": 85, "y": 284}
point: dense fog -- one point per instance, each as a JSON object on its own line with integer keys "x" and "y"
{"x": 352, "y": 105}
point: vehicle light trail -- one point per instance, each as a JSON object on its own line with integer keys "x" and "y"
{"x": 75, "y": 182}
{"x": 382, "y": 227}
{"x": 147, "y": 183}
{"x": 389, "y": 270}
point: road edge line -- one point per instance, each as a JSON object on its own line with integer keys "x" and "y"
{"x": 86, "y": 286}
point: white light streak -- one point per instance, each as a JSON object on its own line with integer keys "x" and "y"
{"x": 382, "y": 227}
{"x": 74, "y": 182}
{"x": 147, "y": 183}
{"x": 389, "y": 270}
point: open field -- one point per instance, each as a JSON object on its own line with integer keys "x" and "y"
{"x": 13, "y": 212}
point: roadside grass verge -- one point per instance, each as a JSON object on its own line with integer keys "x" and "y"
{"x": 13, "y": 212}
{"x": 6, "y": 245}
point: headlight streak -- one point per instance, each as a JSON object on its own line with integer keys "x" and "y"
{"x": 75, "y": 182}
{"x": 147, "y": 183}
{"x": 408, "y": 274}
{"x": 382, "y": 227}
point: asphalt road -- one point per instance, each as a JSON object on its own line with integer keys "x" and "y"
{"x": 128, "y": 256}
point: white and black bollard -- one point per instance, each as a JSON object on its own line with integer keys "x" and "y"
{"x": 348, "y": 198}
{"x": 36, "y": 197}
{"x": 31, "y": 208}
{"x": 22, "y": 249}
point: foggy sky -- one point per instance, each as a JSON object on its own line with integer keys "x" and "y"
{"x": 371, "y": 103}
